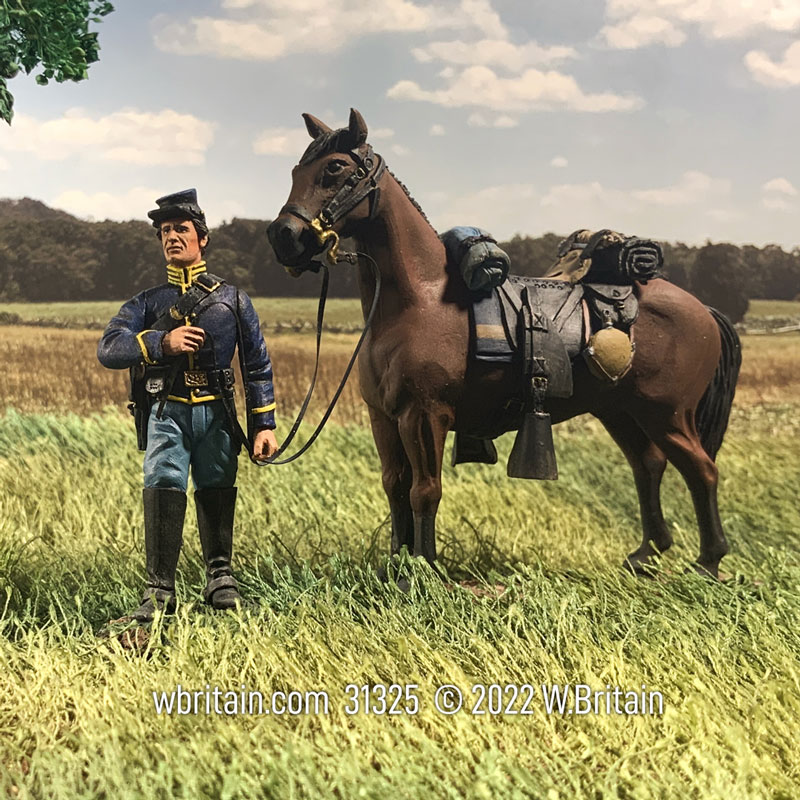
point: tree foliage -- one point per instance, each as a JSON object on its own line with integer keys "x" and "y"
{"x": 720, "y": 279}
{"x": 53, "y": 34}
{"x": 48, "y": 255}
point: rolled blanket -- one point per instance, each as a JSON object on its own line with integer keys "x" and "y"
{"x": 606, "y": 257}
{"x": 481, "y": 262}
{"x": 640, "y": 259}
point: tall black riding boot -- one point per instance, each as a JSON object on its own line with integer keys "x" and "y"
{"x": 215, "y": 509}
{"x": 164, "y": 510}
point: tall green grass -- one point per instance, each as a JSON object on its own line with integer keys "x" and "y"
{"x": 76, "y": 711}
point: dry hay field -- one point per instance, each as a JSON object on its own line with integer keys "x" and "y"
{"x": 535, "y": 600}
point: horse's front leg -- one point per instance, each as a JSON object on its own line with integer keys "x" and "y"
{"x": 423, "y": 432}
{"x": 396, "y": 473}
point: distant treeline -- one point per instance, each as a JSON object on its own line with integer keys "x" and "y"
{"x": 48, "y": 255}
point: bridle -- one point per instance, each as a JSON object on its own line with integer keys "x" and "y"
{"x": 362, "y": 183}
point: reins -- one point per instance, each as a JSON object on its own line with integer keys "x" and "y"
{"x": 352, "y": 259}
{"x": 362, "y": 184}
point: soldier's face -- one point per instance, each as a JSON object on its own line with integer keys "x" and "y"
{"x": 181, "y": 243}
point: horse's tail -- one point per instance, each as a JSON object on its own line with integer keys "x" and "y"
{"x": 714, "y": 408}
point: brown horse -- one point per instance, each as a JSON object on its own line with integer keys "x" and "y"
{"x": 419, "y": 383}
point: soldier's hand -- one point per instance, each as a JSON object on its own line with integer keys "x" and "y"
{"x": 186, "y": 339}
{"x": 265, "y": 445}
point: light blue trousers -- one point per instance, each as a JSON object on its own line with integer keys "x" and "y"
{"x": 195, "y": 435}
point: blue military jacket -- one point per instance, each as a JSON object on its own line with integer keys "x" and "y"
{"x": 128, "y": 342}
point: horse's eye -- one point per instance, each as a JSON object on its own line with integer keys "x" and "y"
{"x": 334, "y": 167}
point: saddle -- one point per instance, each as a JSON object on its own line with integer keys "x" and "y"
{"x": 564, "y": 314}
{"x": 584, "y": 305}
{"x": 542, "y": 325}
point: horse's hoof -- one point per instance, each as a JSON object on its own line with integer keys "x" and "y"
{"x": 400, "y": 581}
{"x": 709, "y": 572}
{"x": 640, "y": 566}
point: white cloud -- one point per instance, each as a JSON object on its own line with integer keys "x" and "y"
{"x": 641, "y": 30}
{"x": 775, "y": 195}
{"x": 224, "y": 38}
{"x": 493, "y": 52}
{"x": 480, "y": 15}
{"x": 294, "y": 141}
{"x": 780, "y": 186}
{"x": 135, "y": 137}
{"x": 478, "y": 120}
{"x": 568, "y": 194}
{"x": 533, "y": 90}
{"x": 707, "y": 211}
{"x": 636, "y": 23}
{"x": 437, "y": 130}
{"x": 266, "y": 30}
{"x": 692, "y": 188}
{"x": 559, "y": 162}
{"x": 493, "y": 208}
{"x": 775, "y": 73}
{"x": 282, "y": 142}
{"x": 687, "y": 209}
{"x": 133, "y": 204}
{"x": 776, "y": 203}
{"x": 400, "y": 150}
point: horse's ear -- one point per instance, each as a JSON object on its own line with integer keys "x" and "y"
{"x": 314, "y": 126}
{"x": 357, "y": 128}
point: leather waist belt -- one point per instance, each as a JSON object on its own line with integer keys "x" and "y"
{"x": 214, "y": 381}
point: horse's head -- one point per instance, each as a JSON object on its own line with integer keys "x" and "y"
{"x": 334, "y": 187}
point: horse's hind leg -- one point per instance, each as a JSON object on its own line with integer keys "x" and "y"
{"x": 648, "y": 463}
{"x": 396, "y": 473}
{"x": 423, "y": 432}
{"x": 678, "y": 438}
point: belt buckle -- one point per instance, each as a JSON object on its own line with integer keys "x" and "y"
{"x": 195, "y": 377}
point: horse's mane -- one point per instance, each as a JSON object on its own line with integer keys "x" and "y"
{"x": 413, "y": 201}
{"x": 335, "y": 141}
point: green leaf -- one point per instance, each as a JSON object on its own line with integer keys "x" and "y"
{"x": 6, "y": 103}
{"x": 51, "y": 34}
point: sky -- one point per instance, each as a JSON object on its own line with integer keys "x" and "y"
{"x": 675, "y": 120}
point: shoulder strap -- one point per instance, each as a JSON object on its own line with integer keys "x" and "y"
{"x": 203, "y": 285}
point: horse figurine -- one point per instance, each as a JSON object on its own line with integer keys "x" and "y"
{"x": 419, "y": 382}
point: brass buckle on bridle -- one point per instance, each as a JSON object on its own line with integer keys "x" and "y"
{"x": 323, "y": 235}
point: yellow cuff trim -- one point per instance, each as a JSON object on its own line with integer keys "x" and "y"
{"x": 261, "y": 410}
{"x": 142, "y": 347}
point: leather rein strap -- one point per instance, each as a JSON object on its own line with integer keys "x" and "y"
{"x": 351, "y": 258}
{"x": 360, "y": 184}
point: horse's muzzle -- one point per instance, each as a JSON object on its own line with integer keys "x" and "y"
{"x": 292, "y": 240}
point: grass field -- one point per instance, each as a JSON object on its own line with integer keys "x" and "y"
{"x": 535, "y": 597}
{"x": 272, "y": 311}
{"x": 289, "y": 311}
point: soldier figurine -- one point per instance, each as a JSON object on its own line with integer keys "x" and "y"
{"x": 178, "y": 340}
